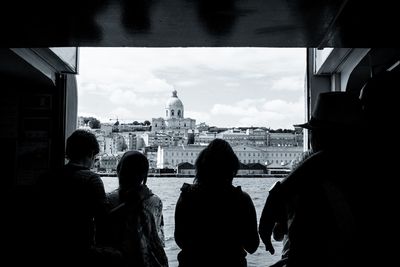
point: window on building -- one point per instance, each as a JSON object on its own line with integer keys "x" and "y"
{"x": 172, "y": 112}
{"x": 179, "y": 113}
{"x": 166, "y": 113}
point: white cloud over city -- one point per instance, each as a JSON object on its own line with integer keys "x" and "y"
{"x": 224, "y": 87}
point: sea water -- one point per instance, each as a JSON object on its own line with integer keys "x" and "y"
{"x": 168, "y": 189}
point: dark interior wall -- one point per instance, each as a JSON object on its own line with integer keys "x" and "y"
{"x": 32, "y": 141}
{"x": 31, "y": 124}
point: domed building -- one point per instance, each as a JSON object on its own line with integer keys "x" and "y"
{"x": 174, "y": 120}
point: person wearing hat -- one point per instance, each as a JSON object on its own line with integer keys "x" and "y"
{"x": 313, "y": 204}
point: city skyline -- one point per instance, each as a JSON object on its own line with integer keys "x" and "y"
{"x": 225, "y": 87}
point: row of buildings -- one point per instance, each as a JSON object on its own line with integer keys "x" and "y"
{"x": 174, "y": 142}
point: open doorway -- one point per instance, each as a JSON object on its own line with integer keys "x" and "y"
{"x": 171, "y": 102}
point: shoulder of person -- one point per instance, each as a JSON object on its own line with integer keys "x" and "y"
{"x": 89, "y": 173}
{"x": 310, "y": 167}
{"x": 237, "y": 190}
{"x": 187, "y": 187}
{"x": 113, "y": 198}
{"x": 82, "y": 172}
{"x": 155, "y": 199}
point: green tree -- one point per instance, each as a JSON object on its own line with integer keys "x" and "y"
{"x": 94, "y": 123}
{"x": 147, "y": 123}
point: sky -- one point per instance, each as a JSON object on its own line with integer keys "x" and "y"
{"x": 223, "y": 87}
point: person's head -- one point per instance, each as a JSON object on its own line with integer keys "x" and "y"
{"x": 82, "y": 146}
{"x": 379, "y": 99}
{"x": 217, "y": 164}
{"x": 132, "y": 170}
{"x": 335, "y": 122}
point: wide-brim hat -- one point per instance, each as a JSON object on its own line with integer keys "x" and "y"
{"x": 335, "y": 110}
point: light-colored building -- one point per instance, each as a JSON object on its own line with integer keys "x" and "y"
{"x": 235, "y": 137}
{"x": 106, "y": 128}
{"x": 157, "y": 139}
{"x": 171, "y": 156}
{"x": 278, "y": 157}
{"x": 275, "y": 157}
{"x": 285, "y": 139}
{"x": 257, "y": 137}
{"x": 108, "y": 162}
{"x": 250, "y": 154}
{"x": 204, "y": 138}
{"x": 130, "y": 140}
{"x": 174, "y": 120}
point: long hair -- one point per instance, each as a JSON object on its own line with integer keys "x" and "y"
{"x": 132, "y": 170}
{"x": 216, "y": 164}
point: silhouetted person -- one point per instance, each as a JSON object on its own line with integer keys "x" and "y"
{"x": 280, "y": 227}
{"x": 319, "y": 203}
{"x": 135, "y": 225}
{"x": 215, "y": 222}
{"x": 73, "y": 201}
{"x": 379, "y": 98}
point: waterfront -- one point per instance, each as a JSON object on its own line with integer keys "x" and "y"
{"x": 168, "y": 189}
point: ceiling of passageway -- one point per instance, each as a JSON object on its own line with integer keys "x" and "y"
{"x": 180, "y": 23}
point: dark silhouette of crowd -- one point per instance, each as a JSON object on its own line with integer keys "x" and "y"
{"x": 328, "y": 211}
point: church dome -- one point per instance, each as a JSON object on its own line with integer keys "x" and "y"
{"x": 174, "y": 106}
{"x": 174, "y": 101}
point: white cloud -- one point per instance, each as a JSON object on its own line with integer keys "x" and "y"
{"x": 186, "y": 83}
{"x": 252, "y": 75}
{"x": 279, "y": 105}
{"x": 123, "y": 97}
{"x": 232, "y": 84}
{"x": 248, "y": 102}
{"x": 236, "y": 110}
{"x": 136, "y": 82}
{"x": 276, "y": 113}
{"x": 122, "y": 114}
{"x": 245, "y": 107}
{"x": 288, "y": 84}
{"x": 198, "y": 116}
